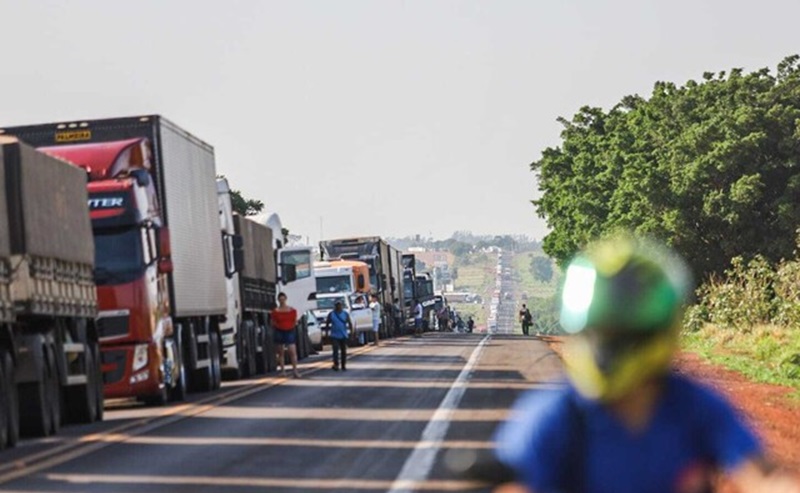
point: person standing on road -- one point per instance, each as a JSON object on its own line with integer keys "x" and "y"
{"x": 339, "y": 325}
{"x": 626, "y": 423}
{"x": 443, "y": 315}
{"x": 470, "y": 324}
{"x": 526, "y": 319}
{"x": 418, "y": 311}
{"x": 375, "y": 306}
{"x": 284, "y": 322}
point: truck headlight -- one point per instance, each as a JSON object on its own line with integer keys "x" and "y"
{"x": 140, "y": 356}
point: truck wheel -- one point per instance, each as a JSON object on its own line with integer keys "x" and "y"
{"x": 35, "y": 412}
{"x": 81, "y": 400}
{"x": 12, "y": 398}
{"x": 99, "y": 387}
{"x": 5, "y": 408}
{"x": 178, "y": 392}
{"x": 55, "y": 391}
{"x": 263, "y": 356}
{"x": 216, "y": 363}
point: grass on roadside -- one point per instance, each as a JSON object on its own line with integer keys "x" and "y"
{"x": 766, "y": 354}
{"x": 527, "y": 283}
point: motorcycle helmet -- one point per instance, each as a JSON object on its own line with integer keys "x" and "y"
{"x": 623, "y": 298}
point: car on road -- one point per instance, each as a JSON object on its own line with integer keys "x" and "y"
{"x": 360, "y": 313}
{"x": 314, "y": 330}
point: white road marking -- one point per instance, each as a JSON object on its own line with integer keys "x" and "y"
{"x": 419, "y": 463}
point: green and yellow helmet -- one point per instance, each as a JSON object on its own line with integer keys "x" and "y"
{"x": 623, "y": 296}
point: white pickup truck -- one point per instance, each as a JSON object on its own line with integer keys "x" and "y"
{"x": 355, "y": 304}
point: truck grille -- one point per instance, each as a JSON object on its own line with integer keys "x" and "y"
{"x": 115, "y": 326}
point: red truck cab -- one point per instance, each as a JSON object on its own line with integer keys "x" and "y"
{"x": 131, "y": 262}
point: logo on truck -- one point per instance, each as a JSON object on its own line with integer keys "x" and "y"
{"x": 73, "y": 136}
{"x": 106, "y": 203}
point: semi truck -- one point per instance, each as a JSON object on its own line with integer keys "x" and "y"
{"x": 251, "y": 285}
{"x": 418, "y": 286}
{"x": 160, "y": 265}
{"x": 342, "y": 276}
{"x": 384, "y": 263}
{"x": 49, "y": 347}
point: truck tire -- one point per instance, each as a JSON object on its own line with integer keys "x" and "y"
{"x": 178, "y": 392}
{"x": 98, "y": 389}
{"x": 12, "y": 398}
{"x": 81, "y": 400}
{"x": 216, "y": 360}
{"x": 35, "y": 407}
{"x": 55, "y": 393}
{"x": 5, "y": 408}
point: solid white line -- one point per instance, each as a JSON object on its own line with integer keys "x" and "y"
{"x": 418, "y": 465}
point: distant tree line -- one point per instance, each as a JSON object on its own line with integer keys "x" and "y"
{"x": 712, "y": 167}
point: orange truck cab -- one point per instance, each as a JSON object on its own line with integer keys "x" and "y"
{"x": 342, "y": 276}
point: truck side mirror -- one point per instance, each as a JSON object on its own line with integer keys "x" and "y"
{"x": 288, "y": 273}
{"x": 238, "y": 259}
{"x": 142, "y": 177}
{"x": 165, "y": 266}
{"x": 238, "y": 242}
{"x": 360, "y": 282}
{"x": 164, "y": 248}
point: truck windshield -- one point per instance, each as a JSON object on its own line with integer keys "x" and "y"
{"x": 328, "y": 303}
{"x": 118, "y": 255}
{"x": 334, "y": 284}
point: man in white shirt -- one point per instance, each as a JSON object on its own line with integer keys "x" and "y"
{"x": 375, "y": 306}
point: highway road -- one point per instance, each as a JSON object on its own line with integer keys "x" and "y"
{"x": 389, "y": 423}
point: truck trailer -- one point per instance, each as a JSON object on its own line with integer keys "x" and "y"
{"x": 384, "y": 267}
{"x": 160, "y": 265}
{"x": 49, "y": 348}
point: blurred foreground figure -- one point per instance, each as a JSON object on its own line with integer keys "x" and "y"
{"x": 625, "y": 423}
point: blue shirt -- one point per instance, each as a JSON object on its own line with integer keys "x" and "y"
{"x": 338, "y": 324}
{"x": 691, "y": 430}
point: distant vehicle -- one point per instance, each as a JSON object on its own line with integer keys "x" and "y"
{"x": 314, "y": 330}
{"x": 360, "y": 313}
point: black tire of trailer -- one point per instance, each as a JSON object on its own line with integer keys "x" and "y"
{"x": 248, "y": 367}
{"x": 178, "y": 392}
{"x": 80, "y": 401}
{"x": 266, "y": 356}
{"x": 11, "y": 398}
{"x": 202, "y": 379}
{"x": 5, "y": 408}
{"x": 35, "y": 406}
{"x": 216, "y": 359}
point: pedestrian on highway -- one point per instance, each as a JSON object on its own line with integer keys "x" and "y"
{"x": 470, "y": 324}
{"x": 625, "y": 422}
{"x": 418, "y": 311}
{"x": 526, "y": 319}
{"x": 444, "y": 319}
{"x": 284, "y": 322}
{"x": 375, "y": 306}
{"x": 340, "y": 326}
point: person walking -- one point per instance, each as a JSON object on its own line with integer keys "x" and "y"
{"x": 526, "y": 319}
{"x": 397, "y": 316}
{"x": 375, "y": 306}
{"x": 470, "y": 324}
{"x": 626, "y": 423}
{"x": 339, "y": 325}
{"x": 284, "y": 322}
{"x": 418, "y": 311}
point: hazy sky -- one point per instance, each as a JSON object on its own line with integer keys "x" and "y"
{"x": 380, "y": 117}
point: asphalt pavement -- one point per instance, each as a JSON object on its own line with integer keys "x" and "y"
{"x": 399, "y": 419}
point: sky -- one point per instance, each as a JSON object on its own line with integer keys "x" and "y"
{"x": 378, "y": 117}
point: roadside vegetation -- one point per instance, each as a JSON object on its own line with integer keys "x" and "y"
{"x": 711, "y": 167}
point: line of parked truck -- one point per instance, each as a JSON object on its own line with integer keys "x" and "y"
{"x": 125, "y": 273}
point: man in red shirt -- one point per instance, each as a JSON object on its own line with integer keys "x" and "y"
{"x": 284, "y": 319}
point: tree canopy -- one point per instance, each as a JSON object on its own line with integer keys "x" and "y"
{"x": 711, "y": 167}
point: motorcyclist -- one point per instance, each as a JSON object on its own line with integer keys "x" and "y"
{"x": 625, "y": 423}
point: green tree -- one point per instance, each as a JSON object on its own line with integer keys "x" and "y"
{"x": 710, "y": 167}
{"x": 245, "y": 207}
{"x": 542, "y": 268}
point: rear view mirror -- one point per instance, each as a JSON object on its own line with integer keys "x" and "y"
{"x": 360, "y": 283}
